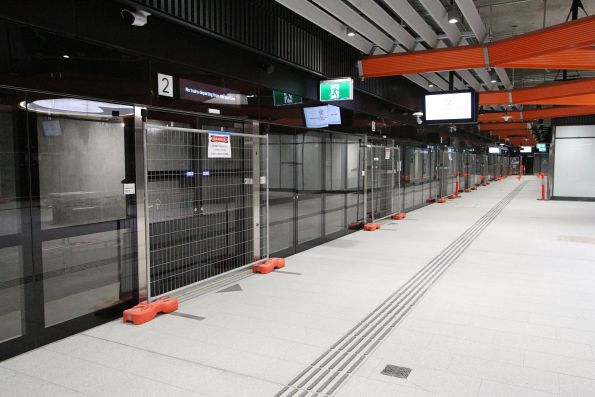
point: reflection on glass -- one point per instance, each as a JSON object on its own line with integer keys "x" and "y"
{"x": 309, "y": 218}
{"x": 81, "y": 168}
{"x": 11, "y": 293}
{"x": 10, "y": 216}
{"x": 81, "y": 275}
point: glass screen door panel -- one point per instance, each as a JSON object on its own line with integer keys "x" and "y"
{"x": 84, "y": 221}
{"x": 310, "y": 160}
{"x": 282, "y": 190}
{"x": 67, "y": 238}
{"x": 15, "y": 242}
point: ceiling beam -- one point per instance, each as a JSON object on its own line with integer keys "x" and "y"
{"x": 473, "y": 19}
{"x": 328, "y": 23}
{"x": 572, "y": 92}
{"x": 552, "y": 41}
{"x": 478, "y": 28}
{"x": 312, "y": 13}
{"x": 439, "y": 14}
{"x": 373, "y": 11}
{"x": 349, "y": 17}
{"x": 412, "y": 18}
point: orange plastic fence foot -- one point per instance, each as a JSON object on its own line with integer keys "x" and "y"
{"x": 431, "y": 200}
{"x": 399, "y": 216}
{"x": 355, "y": 225}
{"x": 268, "y": 266}
{"x": 144, "y": 312}
{"x": 452, "y": 196}
{"x": 441, "y": 200}
{"x": 370, "y": 227}
{"x": 467, "y": 190}
{"x": 263, "y": 267}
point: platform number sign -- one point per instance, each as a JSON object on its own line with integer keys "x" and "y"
{"x": 165, "y": 85}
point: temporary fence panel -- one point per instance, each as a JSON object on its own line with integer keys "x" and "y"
{"x": 434, "y": 175}
{"x": 540, "y": 163}
{"x": 444, "y": 172}
{"x": 380, "y": 169}
{"x": 206, "y": 204}
{"x": 467, "y": 171}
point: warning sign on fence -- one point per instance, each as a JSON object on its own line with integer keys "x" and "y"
{"x": 219, "y": 145}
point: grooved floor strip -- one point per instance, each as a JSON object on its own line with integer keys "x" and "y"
{"x": 186, "y": 315}
{"x": 334, "y": 367}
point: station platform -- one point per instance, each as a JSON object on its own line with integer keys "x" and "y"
{"x": 490, "y": 294}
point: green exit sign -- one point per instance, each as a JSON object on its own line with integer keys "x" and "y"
{"x": 336, "y": 90}
{"x": 285, "y": 99}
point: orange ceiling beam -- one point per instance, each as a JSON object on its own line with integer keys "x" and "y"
{"x": 567, "y": 100}
{"x": 575, "y": 58}
{"x": 571, "y": 92}
{"x": 533, "y": 114}
{"x": 512, "y": 133}
{"x": 504, "y": 126}
{"x": 557, "y": 44}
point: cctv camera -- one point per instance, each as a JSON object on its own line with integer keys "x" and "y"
{"x": 418, "y": 115}
{"x": 135, "y": 18}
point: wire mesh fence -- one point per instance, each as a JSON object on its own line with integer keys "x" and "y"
{"x": 206, "y": 204}
{"x": 381, "y": 180}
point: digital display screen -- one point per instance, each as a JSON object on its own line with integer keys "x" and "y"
{"x": 541, "y": 147}
{"x": 322, "y": 116}
{"x": 526, "y": 149}
{"x": 450, "y": 107}
{"x": 207, "y": 93}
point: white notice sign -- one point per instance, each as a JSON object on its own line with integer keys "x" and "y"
{"x": 387, "y": 153}
{"x": 219, "y": 145}
{"x": 129, "y": 188}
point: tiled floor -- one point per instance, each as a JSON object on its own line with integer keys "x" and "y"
{"x": 514, "y": 316}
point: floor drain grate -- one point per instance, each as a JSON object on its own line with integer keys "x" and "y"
{"x": 396, "y": 371}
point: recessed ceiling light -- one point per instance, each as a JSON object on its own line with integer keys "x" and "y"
{"x": 430, "y": 85}
{"x": 350, "y": 32}
{"x": 66, "y": 56}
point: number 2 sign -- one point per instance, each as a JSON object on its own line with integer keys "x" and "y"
{"x": 165, "y": 85}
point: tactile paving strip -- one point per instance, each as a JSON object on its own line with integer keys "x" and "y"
{"x": 329, "y": 371}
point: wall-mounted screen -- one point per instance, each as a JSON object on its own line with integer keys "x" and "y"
{"x": 450, "y": 107}
{"x": 541, "y": 147}
{"x": 526, "y": 149}
{"x": 495, "y": 150}
{"x": 322, "y": 116}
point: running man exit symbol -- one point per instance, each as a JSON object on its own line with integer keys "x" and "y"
{"x": 335, "y": 91}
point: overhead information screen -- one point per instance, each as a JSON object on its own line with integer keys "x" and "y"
{"x": 450, "y": 107}
{"x": 322, "y": 116}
